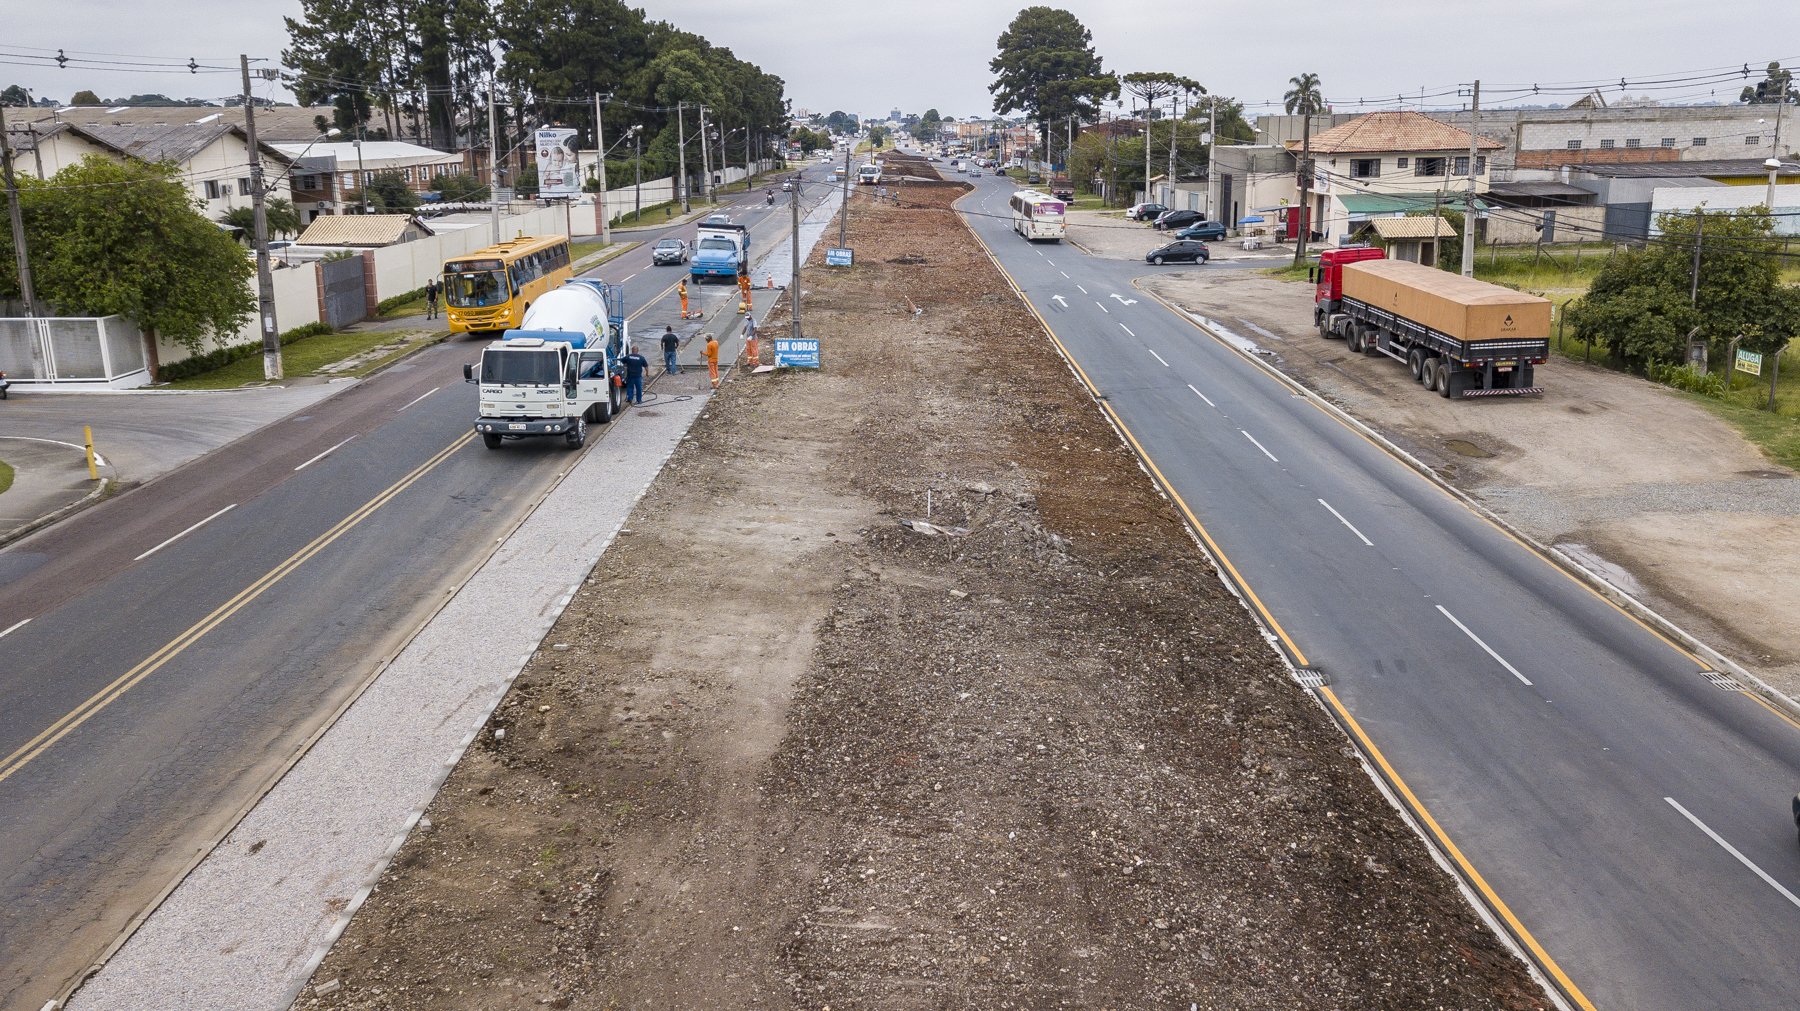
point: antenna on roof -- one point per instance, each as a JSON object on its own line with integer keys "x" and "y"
{"x": 207, "y": 119}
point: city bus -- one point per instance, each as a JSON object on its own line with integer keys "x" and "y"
{"x": 869, "y": 174}
{"x": 1038, "y": 215}
{"x": 490, "y": 289}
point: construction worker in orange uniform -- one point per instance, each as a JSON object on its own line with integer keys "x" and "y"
{"x": 712, "y": 359}
{"x": 681, "y": 289}
{"x": 744, "y": 289}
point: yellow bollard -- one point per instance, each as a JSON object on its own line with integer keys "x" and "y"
{"x": 87, "y": 433}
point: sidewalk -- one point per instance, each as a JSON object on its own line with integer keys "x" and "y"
{"x": 49, "y": 478}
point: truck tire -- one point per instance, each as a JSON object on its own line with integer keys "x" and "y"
{"x": 1353, "y": 337}
{"x": 578, "y": 434}
{"x": 490, "y": 440}
{"x": 1428, "y": 373}
{"x": 602, "y": 412}
{"x": 1448, "y": 377}
{"x": 1415, "y": 363}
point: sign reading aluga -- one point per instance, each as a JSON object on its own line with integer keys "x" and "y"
{"x": 557, "y": 172}
{"x": 1749, "y": 361}
{"x": 792, "y": 353}
{"x": 839, "y": 257}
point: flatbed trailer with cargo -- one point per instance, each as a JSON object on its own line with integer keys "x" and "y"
{"x": 1459, "y": 337}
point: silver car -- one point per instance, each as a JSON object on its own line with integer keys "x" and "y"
{"x": 670, "y": 252}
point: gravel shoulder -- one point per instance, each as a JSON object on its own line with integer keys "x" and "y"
{"x": 1669, "y": 500}
{"x": 793, "y": 746}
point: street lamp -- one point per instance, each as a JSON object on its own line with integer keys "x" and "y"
{"x": 637, "y": 174}
{"x": 362, "y": 178}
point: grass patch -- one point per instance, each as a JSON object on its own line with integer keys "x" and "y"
{"x": 652, "y": 215}
{"x": 1777, "y": 435}
{"x": 585, "y": 247}
{"x": 1289, "y": 272}
{"x": 6, "y": 476}
{"x": 306, "y": 357}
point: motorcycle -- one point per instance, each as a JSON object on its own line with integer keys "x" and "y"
{"x": 771, "y": 198}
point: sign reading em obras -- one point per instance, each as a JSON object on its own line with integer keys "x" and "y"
{"x": 797, "y": 352}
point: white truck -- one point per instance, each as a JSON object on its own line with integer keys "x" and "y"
{"x": 558, "y": 371}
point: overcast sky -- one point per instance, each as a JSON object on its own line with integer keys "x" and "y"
{"x": 921, "y": 54}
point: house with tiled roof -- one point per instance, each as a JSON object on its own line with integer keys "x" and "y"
{"x": 211, "y": 156}
{"x": 1389, "y": 164}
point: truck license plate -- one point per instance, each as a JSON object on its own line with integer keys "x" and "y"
{"x": 515, "y": 426}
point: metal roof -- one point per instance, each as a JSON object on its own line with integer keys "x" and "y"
{"x": 1398, "y": 203}
{"x": 358, "y": 230}
{"x": 1544, "y": 188}
{"x": 1411, "y": 228}
{"x": 1684, "y": 169}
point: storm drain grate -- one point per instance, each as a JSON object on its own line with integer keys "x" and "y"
{"x": 1309, "y": 677}
{"x": 1724, "y": 681}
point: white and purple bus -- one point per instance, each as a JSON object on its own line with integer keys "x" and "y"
{"x": 1038, "y": 215}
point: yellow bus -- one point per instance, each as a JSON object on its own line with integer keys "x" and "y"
{"x": 490, "y": 289}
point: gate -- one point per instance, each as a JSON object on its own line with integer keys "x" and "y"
{"x": 92, "y": 351}
{"x": 341, "y": 292}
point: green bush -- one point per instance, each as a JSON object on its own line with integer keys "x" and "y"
{"x": 218, "y": 358}
{"x": 1687, "y": 379}
{"x": 388, "y": 305}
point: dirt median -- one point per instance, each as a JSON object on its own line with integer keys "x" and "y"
{"x": 907, "y": 690}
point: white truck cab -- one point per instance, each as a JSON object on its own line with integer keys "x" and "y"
{"x": 559, "y": 371}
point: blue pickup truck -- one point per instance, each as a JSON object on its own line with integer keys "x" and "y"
{"x": 721, "y": 249}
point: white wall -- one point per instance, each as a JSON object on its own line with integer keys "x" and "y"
{"x": 1666, "y": 199}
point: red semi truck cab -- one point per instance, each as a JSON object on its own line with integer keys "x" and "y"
{"x": 1328, "y": 281}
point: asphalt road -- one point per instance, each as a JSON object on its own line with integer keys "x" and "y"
{"x": 1627, "y": 815}
{"x": 170, "y": 650}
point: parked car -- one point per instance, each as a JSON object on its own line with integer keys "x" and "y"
{"x": 1206, "y": 231}
{"x": 1180, "y": 251}
{"x": 974, "y": 171}
{"x": 1144, "y": 212}
{"x": 669, "y": 251}
{"x": 1000, "y": 171}
{"x": 1168, "y": 220}
{"x": 1033, "y": 179}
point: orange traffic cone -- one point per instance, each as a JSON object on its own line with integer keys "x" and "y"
{"x": 769, "y": 280}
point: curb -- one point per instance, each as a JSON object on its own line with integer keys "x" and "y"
{"x": 1600, "y": 585}
{"x": 30, "y": 527}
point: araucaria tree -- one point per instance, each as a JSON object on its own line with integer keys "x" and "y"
{"x": 1152, "y": 88}
{"x": 1047, "y": 68}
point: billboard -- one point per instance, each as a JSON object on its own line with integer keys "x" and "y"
{"x": 558, "y": 175}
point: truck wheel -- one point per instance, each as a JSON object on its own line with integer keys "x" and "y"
{"x": 578, "y": 434}
{"x": 1354, "y": 338}
{"x": 1415, "y": 363}
{"x": 1428, "y": 373}
{"x": 614, "y": 406}
{"x": 1447, "y": 378}
{"x": 490, "y": 440}
{"x": 1324, "y": 324}
{"x": 603, "y": 411}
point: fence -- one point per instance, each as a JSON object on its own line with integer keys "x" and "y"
{"x": 85, "y": 351}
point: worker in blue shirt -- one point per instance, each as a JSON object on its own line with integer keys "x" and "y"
{"x": 635, "y": 367}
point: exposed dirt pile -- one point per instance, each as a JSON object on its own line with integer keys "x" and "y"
{"x": 908, "y": 691}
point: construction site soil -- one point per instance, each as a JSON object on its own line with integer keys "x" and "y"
{"x": 905, "y": 689}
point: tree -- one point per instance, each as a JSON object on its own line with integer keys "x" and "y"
{"x": 840, "y": 122}
{"x": 85, "y": 97}
{"x": 877, "y": 137}
{"x": 15, "y": 95}
{"x": 389, "y": 194}
{"x": 278, "y": 214}
{"x": 1777, "y": 86}
{"x": 1304, "y": 99}
{"x": 100, "y": 232}
{"x": 1151, "y": 87}
{"x": 1643, "y": 304}
{"x": 1047, "y": 67}
{"x": 930, "y": 124}
{"x": 458, "y": 188}
{"x": 1232, "y": 127}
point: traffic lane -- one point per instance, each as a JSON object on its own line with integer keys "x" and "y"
{"x": 59, "y": 563}
{"x": 61, "y": 661}
{"x": 1770, "y": 725}
{"x": 109, "y": 813}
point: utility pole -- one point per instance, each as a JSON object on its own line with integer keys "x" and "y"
{"x": 1212, "y": 151}
{"x": 1468, "y": 236}
{"x": 493, "y": 167}
{"x": 18, "y": 220}
{"x": 844, "y": 211}
{"x": 637, "y": 174}
{"x": 749, "y": 176}
{"x": 1699, "y": 230}
{"x": 1305, "y": 185}
{"x": 265, "y": 281}
{"x": 1174, "y": 128}
{"x": 681, "y": 146}
{"x": 600, "y": 142}
{"x": 706, "y": 185}
{"x": 1148, "y": 106}
{"x": 794, "y": 279}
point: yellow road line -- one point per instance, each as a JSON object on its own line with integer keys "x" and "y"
{"x": 1474, "y": 876}
{"x": 151, "y": 664}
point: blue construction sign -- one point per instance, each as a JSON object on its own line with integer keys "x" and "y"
{"x": 838, "y": 257}
{"x": 797, "y": 353}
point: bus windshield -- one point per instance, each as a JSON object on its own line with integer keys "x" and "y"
{"x": 475, "y": 288}
{"x": 520, "y": 368}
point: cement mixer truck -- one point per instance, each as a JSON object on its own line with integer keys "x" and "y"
{"x": 559, "y": 371}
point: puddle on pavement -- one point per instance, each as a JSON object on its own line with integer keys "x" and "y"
{"x": 1463, "y": 447}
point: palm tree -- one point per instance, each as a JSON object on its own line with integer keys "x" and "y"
{"x": 1304, "y": 99}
